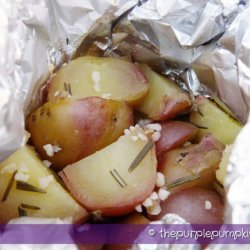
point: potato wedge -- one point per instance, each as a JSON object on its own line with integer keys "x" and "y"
{"x": 202, "y": 159}
{"x": 165, "y": 99}
{"x": 211, "y": 119}
{"x": 100, "y": 76}
{"x": 173, "y": 135}
{"x": 76, "y": 128}
{"x": 54, "y": 203}
{"x": 102, "y": 181}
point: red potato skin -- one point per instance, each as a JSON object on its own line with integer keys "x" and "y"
{"x": 190, "y": 205}
{"x": 173, "y": 106}
{"x": 173, "y": 135}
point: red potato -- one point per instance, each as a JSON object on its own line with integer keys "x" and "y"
{"x": 173, "y": 135}
{"x": 212, "y": 119}
{"x": 196, "y": 205}
{"x": 53, "y": 202}
{"x": 202, "y": 159}
{"x": 165, "y": 99}
{"x": 77, "y": 127}
{"x": 105, "y": 77}
{"x": 103, "y": 182}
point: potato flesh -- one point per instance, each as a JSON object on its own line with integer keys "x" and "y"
{"x": 55, "y": 203}
{"x": 92, "y": 184}
{"x": 92, "y": 76}
{"x": 165, "y": 99}
{"x": 79, "y": 127}
{"x": 222, "y": 171}
{"x": 215, "y": 121}
{"x": 202, "y": 159}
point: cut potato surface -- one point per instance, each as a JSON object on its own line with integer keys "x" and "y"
{"x": 104, "y": 77}
{"x": 103, "y": 181}
{"x": 222, "y": 171}
{"x": 165, "y": 99}
{"x": 202, "y": 159}
{"x": 52, "y": 201}
{"x": 66, "y": 130}
{"x": 215, "y": 121}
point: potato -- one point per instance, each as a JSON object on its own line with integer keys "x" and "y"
{"x": 215, "y": 121}
{"x": 222, "y": 171}
{"x": 196, "y": 205}
{"x": 165, "y": 99}
{"x": 202, "y": 159}
{"x": 104, "y": 77}
{"x": 103, "y": 181}
{"x": 54, "y": 203}
{"x": 173, "y": 135}
{"x": 77, "y": 128}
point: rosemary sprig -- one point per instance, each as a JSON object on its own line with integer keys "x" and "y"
{"x": 67, "y": 88}
{"x": 24, "y": 186}
{"x": 141, "y": 155}
{"x": 182, "y": 180}
{"x": 198, "y": 126}
{"x": 8, "y": 188}
{"x": 199, "y": 111}
{"x": 22, "y": 212}
{"x": 27, "y": 206}
{"x": 118, "y": 178}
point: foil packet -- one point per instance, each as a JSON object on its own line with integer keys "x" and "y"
{"x": 176, "y": 37}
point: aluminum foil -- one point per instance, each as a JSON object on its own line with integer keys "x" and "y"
{"x": 187, "y": 39}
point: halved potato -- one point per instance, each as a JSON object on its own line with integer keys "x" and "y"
{"x": 53, "y": 202}
{"x": 76, "y": 128}
{"x": 165, "y": 99}
{"x": 211, "y": 119}
{"x": 100, "y": 76}
{"x": 103, "y": 181}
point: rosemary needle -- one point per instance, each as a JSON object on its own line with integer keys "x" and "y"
{"x": 21, "y": 185}
{"x": 27, "y": 206}
{"x": 141, "y": 155}
{"x": 182, "y": 180}
{"x": 118, "y": 178}
{"x": 8, "y": 188}
{"x": 22, "y": 212}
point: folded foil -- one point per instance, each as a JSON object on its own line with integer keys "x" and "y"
{"x": 204, "y": 44}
